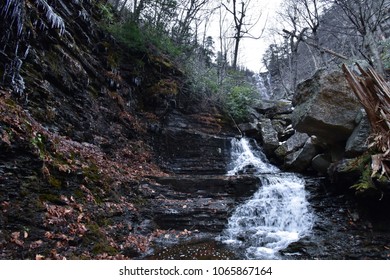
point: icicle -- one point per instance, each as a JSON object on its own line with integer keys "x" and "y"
{"x": 16, "y": 14}
{"x": 54, "y": 20}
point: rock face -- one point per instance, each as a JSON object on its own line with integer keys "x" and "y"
{"x": 325, "y": 107}
{"x": 82, "y": 125}
{"x": 194, "y": 144}
{"x": 293, "y": 144}
{"x": 269, "y": 136}
{"x": 357, "y": 142}
{"x": 300, "y": 160}
{"x": 195, "y": 150}
{"x": 202, "y": 202}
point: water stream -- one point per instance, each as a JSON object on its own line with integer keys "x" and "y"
{"x": 276, "y": 215}
{"x": 288, "y": 217}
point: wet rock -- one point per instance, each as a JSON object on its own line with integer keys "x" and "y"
{"x": 249, "y": 129}
{"x": 294, "y": 143}
{"x": 325, "y": 107}
{"x": 212, "y": 185}
{"x": 300, "y": 160}
{"x": 194, "y": 144}
{"x": 321, "y": 163}
{"x": 199, "y": 202}
{"x": 357, "y": 142}
{"x": 269, "y": 136}
{"x": 342, "y": 175}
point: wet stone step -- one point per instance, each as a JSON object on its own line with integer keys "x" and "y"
{"x": 212, "y": 185}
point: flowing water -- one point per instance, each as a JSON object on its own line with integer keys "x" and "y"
{"x": 277, "y": 214}
{"x": 277, "y": 222}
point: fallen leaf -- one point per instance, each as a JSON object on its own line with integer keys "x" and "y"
{"x": 39, "y": 257}
{"x": 36, "y": 244}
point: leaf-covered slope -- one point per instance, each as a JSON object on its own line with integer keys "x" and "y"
{"x": 75, "y": 142}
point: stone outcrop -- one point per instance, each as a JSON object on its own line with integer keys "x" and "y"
{"x": 325, "y": 107}
{"x": 357, "y": 142}
{"x": 202, "y": 202}
{"x": 82, "y": 129}
{"x": 325, "y": 125}
{"x": 301, "y": 160}
{"x": 194, "y": 144}
{"x": 269, "y": 136}
{"x": 293, "y": 144}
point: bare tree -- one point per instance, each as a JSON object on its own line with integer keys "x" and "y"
{"x": 294, "y": 35}
{"x": 242, "y": 27}
{"x": 190, "y": 10}
{"x": 367, "y": 16}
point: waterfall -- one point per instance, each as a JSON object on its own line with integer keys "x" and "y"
{"x": 275, "y": 216}
{"x": 263, "y": 85}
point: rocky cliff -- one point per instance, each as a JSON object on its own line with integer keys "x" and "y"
{"x": 95, "y": 150}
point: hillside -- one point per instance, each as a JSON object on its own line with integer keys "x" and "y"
{"x": 79, "y": 117}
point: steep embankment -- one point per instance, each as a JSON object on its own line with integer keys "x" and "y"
{"x": 80, "y": 120}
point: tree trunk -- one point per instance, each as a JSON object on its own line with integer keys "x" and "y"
{"x": 373, "y": 49}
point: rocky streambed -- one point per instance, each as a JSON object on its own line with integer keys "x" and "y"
{"x": 341, "y": 230}
{"x": 197, "y": 204}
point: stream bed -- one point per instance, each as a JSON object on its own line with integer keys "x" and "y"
{"x": 289, "y": 217}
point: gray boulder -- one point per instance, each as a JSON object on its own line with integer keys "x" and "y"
{"x": 293, "y": 144}
{"x": 321, "y": 163}
{"x": 269, "y": 135}
{"x": 300, "y": 160}
{"x": 357, "y": 142}
{"x": 325, "y": 107}
{"x": 249, "y": 129}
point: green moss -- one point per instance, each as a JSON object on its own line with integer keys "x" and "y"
{"x": 104, "y": 248}
{"x": 38, "y": 142}
{"x": 139, "y": 201}
{"x": 96, "y": 238}
{"x": 10, "y": 102}
{"x": 54, "y": 182}
{"x": 50, "y": 197}
{"x": 165, "y": 87}
{"x": 92, "y": 173}
{"x": 78, "y": 194}
{"x": 113, "y": 59}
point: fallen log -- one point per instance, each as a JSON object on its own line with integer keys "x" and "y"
{"x": 374, "y": 94}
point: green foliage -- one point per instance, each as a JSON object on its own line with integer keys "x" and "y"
{"x": 129, "y": 34}
{"x": 201, "y": 80}
{"x": 238, "y": 100}
{"x": 37, "y": 142}
{"x": 366, "y": 182}
{"x": 138, "y": 39}
{"x": 106, "y": 12}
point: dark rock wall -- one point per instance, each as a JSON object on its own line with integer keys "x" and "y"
{"x": 86, "y": 128}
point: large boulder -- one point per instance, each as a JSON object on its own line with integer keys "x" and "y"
{"x": 325, "y": 107}
{"x": 269, "y": 135}
{"x": 273, "y": 107}
{"x": 321, "y": 163}
{"x": 300, "y": 160}
{"x": 249, "y": 129}
{"x": 357, "y": 142}
{"x": 293, "y": 144}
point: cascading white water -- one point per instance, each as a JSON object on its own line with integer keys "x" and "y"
{"x": 276, "y": 215}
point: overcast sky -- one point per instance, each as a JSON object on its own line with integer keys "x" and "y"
{"x": 251, "y": 51}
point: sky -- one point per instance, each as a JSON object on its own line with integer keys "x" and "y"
{"x": 251, "y": 50}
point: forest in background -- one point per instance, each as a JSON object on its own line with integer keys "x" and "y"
{"x": 305, "y": 36}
